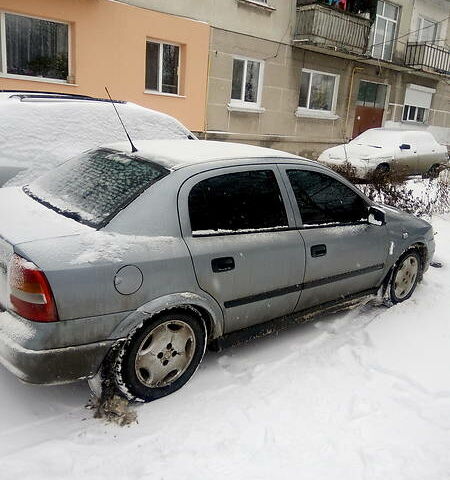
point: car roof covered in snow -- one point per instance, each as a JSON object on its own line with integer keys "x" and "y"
{"x": 175, "y": 154}
{"x": 398, "y": 130}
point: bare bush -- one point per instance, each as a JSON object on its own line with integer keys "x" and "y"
{"x": 395, "y": 188}
{"x": 432, "y": 198}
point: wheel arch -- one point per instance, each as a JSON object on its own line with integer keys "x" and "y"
{"x": 422, "y": 250}
{"x": 206, "y": 309}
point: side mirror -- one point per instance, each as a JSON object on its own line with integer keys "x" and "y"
{"x": 376, "y": 217}
{"x": 405, "y": 146}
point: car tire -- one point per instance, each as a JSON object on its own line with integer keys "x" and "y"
{"x": 405, "y": 276}
{"x": 160, "y": 357}
{"x": 382, "y": 169}
{"x": 433, "y": 171}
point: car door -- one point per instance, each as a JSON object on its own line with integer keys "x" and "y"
{"x": 345, "y": 255}
{"x": 406, "y": 154}
{"x": 427, "y": 152}
{"x": 247, "y": 253}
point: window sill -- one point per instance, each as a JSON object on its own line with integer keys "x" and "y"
{"x": 163, "y": 94}
{"x": 304, "y": 112}
{"x": 413, "y": 122}
{"x": 245, "y": 108}
{"x": 255, "y": 3}
{"x": 29, "y": 78}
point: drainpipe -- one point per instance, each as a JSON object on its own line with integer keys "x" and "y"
{"x": 354, "y": 70}
{"x": 205, "y": 121}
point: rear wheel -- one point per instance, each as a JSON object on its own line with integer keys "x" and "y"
{"x": 405, "y": 276}
{"x": 160, "y": 357}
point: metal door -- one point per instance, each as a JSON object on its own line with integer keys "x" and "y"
{"x": 365, "y": 118}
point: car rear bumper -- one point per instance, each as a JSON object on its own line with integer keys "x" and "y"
{"x": 51, "y": 366}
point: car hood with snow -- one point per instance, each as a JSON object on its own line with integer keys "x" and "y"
{"x": 356, "y": 154}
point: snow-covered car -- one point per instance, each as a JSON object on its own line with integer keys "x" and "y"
{"x": 382, "y": 149}
{"x": 122, "y": 267}
{"x": 40, "y": 130}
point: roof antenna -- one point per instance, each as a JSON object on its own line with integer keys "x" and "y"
{"x": 133, "y": 148}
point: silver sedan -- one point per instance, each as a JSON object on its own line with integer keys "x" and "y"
{"x": 123, "y": 267}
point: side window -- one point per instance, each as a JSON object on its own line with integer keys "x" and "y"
{"x": 323, "y": 199}
{"x": 237, "y": 201}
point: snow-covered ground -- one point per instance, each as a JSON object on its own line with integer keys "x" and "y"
{"x": 358, "y": 395}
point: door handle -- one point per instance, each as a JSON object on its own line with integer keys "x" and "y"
{"x": 222, "y": 264}
{"x": 318, "y": 250}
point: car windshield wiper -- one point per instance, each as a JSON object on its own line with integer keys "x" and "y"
{"x": 368, "y": 145}
{"x": 66, "y": 213}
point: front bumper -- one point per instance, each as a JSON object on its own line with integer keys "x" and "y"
{"x": 50, "y": 366}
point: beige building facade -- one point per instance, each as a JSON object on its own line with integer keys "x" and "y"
{"x": 300, "y": 75}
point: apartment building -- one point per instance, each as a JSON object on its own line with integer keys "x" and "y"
{"x": 80, "y": 46}
{"x": 298, "y": 75}
{"x": 301, "y": 75}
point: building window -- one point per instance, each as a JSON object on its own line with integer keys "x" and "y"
{"x": 371, "y": 94}
{"x": 247, "y": 82}
{"x": 417, "y": 103}
{"x": 318, "y": 91}
{"x": 427, "y": 31}
{"x": 34, "y": 47}
{"x": 414, "y": 114}
{"x": 384, "y": 31}
{"x": 161, "y": 67}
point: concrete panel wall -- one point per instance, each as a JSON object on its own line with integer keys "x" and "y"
{"x": 234, "y": 15}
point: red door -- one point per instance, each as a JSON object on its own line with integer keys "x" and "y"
{"x": 365, "y": 118}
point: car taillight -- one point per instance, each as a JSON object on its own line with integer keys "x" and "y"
{"x": 30, "y": 293}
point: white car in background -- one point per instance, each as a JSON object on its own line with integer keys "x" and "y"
{"x": 382, "y": 149}
{"x": 40, "y": 130}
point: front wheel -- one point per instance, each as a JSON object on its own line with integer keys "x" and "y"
{"x": 433, "y": 171}
{"x": 405, "y": 276}
{"x": 160, "y": 357}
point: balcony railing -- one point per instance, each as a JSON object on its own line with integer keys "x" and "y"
{"x": 326, "y": 26}
{"x": 426, "y": 56}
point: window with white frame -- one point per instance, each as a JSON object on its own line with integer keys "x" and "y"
{"x": 427, "y": 31}
{"x": 384, "y": 30}
{"x": 162, "y": 67}
{"x": 246, "y": 85}
{"x": 412, "y": 113}
{"x": 34, "y": 47}
{"x": 318, "y": 91}
{"x": 417, "y": 103}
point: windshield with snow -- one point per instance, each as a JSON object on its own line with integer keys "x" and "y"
{"x": 377, "y": 138}
{"x": 94, "y": 186}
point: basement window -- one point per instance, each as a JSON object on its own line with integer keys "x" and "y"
{"x": 34, "y": 47}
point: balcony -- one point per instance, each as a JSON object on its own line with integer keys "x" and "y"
{"x": 328, "y": 27}
{"x": 428, "y": 57}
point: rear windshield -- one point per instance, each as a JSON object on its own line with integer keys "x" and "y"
{"x": 94, "y": 186}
